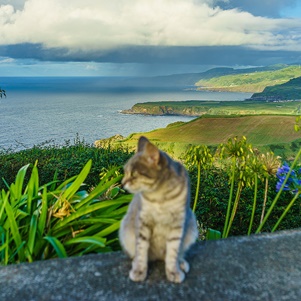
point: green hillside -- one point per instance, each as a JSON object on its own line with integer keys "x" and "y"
{"x": 188, "y": 80}
{"x": 291, "y": 90}
{"x": 250, "y": 81}
{"x": 264, "y": 132}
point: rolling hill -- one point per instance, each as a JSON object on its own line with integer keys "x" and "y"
{"x": 263, "y": 132}
{"x": 188, "y": 80}
{"x": 250, "y": 81}
{"x": 287, "y": 91}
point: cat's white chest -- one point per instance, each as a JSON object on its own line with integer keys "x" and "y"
{"x": 159, "y": 214}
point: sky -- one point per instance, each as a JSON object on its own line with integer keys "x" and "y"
{"x": 145, "y": 37}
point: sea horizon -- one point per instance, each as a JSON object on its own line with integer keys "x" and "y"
{"x": 38, "y": 109}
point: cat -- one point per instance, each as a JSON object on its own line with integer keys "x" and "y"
{"x": 159, "y": 224}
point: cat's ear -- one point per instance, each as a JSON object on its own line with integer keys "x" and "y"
{"x": 141, "y": 143}
{"x": 152, "y": 153}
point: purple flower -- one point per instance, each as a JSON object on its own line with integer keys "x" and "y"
{"x": 293, "y": 183}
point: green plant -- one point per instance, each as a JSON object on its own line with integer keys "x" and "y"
{"x": 256, "y": 169}
{"x": 58, "y": 220}
{"x": 236, "y": 150}
{"x": 66, "y": 160}
{"x": 289, "y": 180}
{"x": 285, "y": 176}
{"x": 201, "y": 157}
{"x": 270, "y": 164}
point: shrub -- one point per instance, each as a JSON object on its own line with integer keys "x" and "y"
{"x": 66, "y": 161}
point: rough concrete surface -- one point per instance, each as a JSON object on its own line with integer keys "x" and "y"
{"x": 260, "y": 267}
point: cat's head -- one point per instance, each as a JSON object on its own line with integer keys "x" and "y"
{"x": 142, "y": 172}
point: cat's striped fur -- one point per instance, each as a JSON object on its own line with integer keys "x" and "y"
{"x": 159, "y": 224}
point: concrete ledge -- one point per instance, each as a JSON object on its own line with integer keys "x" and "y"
{"x": 262, "y": 267}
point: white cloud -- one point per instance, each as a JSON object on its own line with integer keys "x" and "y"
{"x": 104, "y": 25}
{"x": 6, "y": 60}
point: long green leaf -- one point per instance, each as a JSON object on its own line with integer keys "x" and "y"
{"x": 32, "y": 233}
{"x": 11, "y": 258}
{"x": 12, "y": 224}
{"x": 93, "y": 221}
{"x": 65, "y": 183}
{"x": 4, "y": 199}
{"x": 44, "y": 210}
{"x": 86, "y": 210}
{"x": 99, "y": 241}
{"x": 55, "y": 180}
{"x": 57, "y": 245}
{"x": 72, "y": 189}
{"x": 91, "y": 230}
{"x": 109, "y": 229}
{"x": 18, "y": 187}
{"x": 3, "y": 245}
{"x": 99, "y": 190}
{"x": 33, "y": 187}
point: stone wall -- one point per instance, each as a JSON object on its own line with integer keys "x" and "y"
{"x": 259, "y": 267}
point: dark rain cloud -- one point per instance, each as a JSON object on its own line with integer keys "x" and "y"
{"x": 206, "y": 55}
{"x": 235, "y": 26}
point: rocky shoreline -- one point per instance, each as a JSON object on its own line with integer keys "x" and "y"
{"x": 179, "y": 109}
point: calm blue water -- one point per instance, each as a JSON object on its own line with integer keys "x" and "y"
{"x": 40, "y": 109}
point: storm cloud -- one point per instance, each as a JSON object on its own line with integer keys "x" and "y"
{"x": 105, "y": 25}
{"x": 219, "y": 32}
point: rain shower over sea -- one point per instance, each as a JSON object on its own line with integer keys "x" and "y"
{"x": 39, "y": 109}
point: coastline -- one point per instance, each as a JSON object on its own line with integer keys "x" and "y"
{"x": 217, "y": 108}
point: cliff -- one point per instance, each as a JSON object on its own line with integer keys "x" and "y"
{"x": 218, "y": 108}
{"x": 288, "y": 91}
{"x": 188, "y": 108}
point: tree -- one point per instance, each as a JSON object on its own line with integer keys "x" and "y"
{"x": 2, "y": 93}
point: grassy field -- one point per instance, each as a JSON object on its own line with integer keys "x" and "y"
{"x": 250, "y": 82}
{"x": 265, "y": 132}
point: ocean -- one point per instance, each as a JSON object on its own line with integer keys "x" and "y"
{"x": 56, "y": 109}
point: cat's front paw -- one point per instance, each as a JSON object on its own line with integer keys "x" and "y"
{"x": 175, "y": 275}
{"x": 184, "y": 265}
{"x": 138, "y": 274}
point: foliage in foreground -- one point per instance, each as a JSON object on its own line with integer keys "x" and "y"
{"x": 238, "y": 185}
{"x": 59, "y": 220}
{"x": 66, "y": 160}
{"x": 234, "y": 192}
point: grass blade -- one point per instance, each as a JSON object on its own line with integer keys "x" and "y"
{"x": 57, "y": 245}
{"x": 3, "y": 202}
{"x": 32, "y": 233}
{"x": 99, "y": 190}
{"x": 72, "y": 189}
{"x": 43, "y": 214}
{"x": 18, "y": 187}
{"x": 86, "y": 210}
{"x": 109, "y": 229}
{"x": 99, "y": 241}
{"x": 12, "y": 224}
{"x": 33, "y": 188}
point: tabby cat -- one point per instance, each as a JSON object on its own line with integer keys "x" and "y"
{"x": 159, "y": 224}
